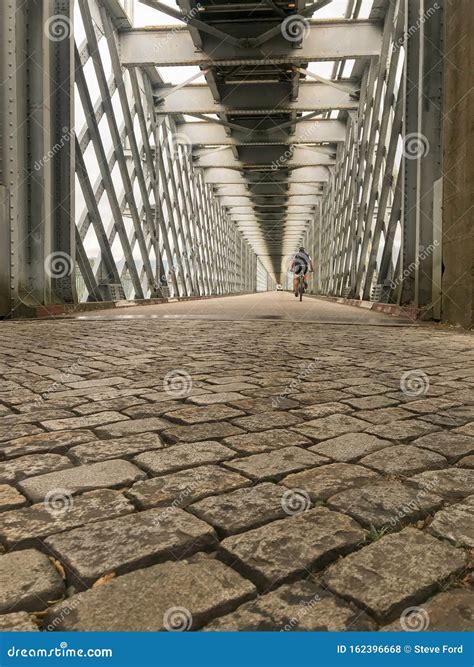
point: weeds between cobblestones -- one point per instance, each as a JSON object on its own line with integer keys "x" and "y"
{"x": 161, "y": 476}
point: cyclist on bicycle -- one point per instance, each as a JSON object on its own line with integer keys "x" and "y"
{"x": 301, "y": 264}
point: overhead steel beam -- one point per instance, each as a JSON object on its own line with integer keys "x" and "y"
{"x": 325, "y": 40}
{"x": 306, "y": 132}
{"x": 191, "y": 20}
{"x": 251, "y": 156}
{"x": 266, "y": 190}
{"x": 246, "y": 99}
{"x": 303, "y": 175}
{"x": 295, "y": 200}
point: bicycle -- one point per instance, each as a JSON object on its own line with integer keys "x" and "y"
{"x": 301, "y": 288}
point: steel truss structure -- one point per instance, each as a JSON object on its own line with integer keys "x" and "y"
{"x": 99, "y": 200}
{"x": 109, "y": 191}
{"x": 377, "y": 232}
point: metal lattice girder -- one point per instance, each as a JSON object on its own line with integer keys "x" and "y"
{"x": 379, "y": 201}
{"x": 114, "y": 131}
{"x": 272, "y": 201}
{"x": 134, "y": 208}
{"x": 106, "y": 176}
{"x": 383, "y": 97}
{"x": 268, "y": 190}
{"x": 251, "y": 99}
{"x": 272, "y": 157}
{"x": 303, "y": 175}
{"x": 161, "y": 226}
{"x": 326, "y": 40}
{"x": 259, "y": 95}
{"x": 95, "y": 218}
{"x": 86, "y": 269}
{"x": 305, "y": 132}
{"x": 124, "y": 103}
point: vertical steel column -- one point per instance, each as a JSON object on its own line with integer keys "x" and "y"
{"x": 37, "y": 225}
{"x": 41, "y": 133}
{"x": 413, "y": 84}
{"x": 61, "y": 104}
{"x": 430, "y": 201}
{"x": 422, "y": 148}
{"x": 8, "y": 170}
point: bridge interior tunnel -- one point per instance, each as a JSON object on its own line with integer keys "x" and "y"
{"x": 181, "y": 149}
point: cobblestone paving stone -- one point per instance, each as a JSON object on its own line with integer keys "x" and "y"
{"x": 248, "y": 475}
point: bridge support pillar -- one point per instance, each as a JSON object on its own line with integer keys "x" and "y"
{"x": 422, "y": 156}
{"x": 458, "y": 179}
{"x": 37, "y": 231}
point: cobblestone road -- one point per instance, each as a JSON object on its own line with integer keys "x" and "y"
{"x": 235, "y": 476}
